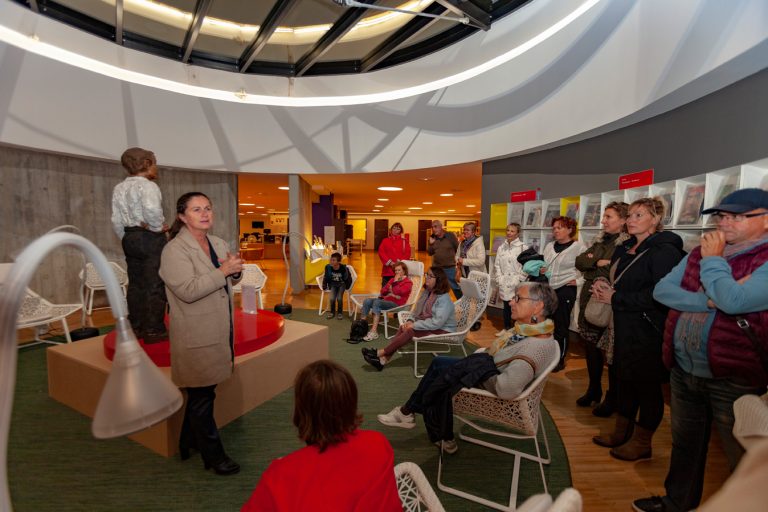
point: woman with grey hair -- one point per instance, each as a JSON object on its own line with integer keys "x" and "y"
{"x": 511, "y": 363}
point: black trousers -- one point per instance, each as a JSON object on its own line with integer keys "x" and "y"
{"x": 566, "y": 298}
{"x": 643, "y": 396}
{"x": 146, "y": 291}
{"x": 507, "y": 315}
{"x": 199, "y": 428}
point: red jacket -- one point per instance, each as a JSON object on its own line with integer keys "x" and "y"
{"x": 391, "y": 250}
{"x": 400, "y": 288}
{"x": 356, "y": 475}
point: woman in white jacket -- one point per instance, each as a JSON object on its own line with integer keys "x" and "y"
{"x": 470, "y": 255}
{"x": 508, "y": 272}
{"x": 560, "y": 258}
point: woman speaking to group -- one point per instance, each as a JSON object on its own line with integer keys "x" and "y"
{"x": 198, "y": 272}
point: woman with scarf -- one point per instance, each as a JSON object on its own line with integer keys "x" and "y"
{"x": 469, "y": 256}
{"x": 595, "y": 263}
{"x": 511, "y": 363}
{"x": 508, "y": 272}
{"x": 392, "y": 249}
{"x": 393, "y": 294}
{"x": 434, "y": 314}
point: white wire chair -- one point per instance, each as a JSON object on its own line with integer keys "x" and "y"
{"x": 252, "y": 275}
{"x": 750, "y": 413}
{"x": 36, "y": 311}
{"x": 320, "y": 308}
{"x": 94, "y": 283}
{"x": 416, "y": 275}
{"x": 521, "y": 420}
{"x": 415, "y": 492}
{"x": 469, "y": 309}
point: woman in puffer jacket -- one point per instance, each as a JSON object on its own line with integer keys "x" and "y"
{"x": 508, "y": 272}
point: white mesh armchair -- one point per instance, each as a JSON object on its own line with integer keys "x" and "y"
{"x": 469, "y": 309}
{"x": 252, "y": 275}
{"x": 322, "y": 308}
{"x": 36, "y": 311}
{"x": 416, "y": 275}
{"x": 518, "y": 419}
{"x": 94, "y": 283}
{"x": 415, "y": 492}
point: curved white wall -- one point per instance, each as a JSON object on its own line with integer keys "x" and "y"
{"x": 619, "y": 62}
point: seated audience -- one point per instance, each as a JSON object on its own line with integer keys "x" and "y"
{"x": 434, "y": 314}
{"x": 342, "y": 468}
{"x": 505, "y": 369}
{"x": 337, "y": 279}
{"x": 393, "y": 294}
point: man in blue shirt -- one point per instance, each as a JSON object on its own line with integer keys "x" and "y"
{"x": 715, "y": 340}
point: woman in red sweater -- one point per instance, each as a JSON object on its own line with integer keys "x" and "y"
{"x": 341, "y": 468}
{"x": 392, "y": 249}
{"x": 394, "y": 293}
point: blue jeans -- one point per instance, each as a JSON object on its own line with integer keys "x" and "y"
{"x": 436, "y": 367}
{"x": 337, "y": 296}
{"x": 696, "y": 401}
{"x": 377, "y": 305}
{"x": 451, "y": 273}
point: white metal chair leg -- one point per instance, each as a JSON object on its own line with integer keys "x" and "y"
{"x": 320, "y": 309}
{"x": 90, "y": 301}
{"x": 66, "y": 330}
{"x": 259, "y": 299}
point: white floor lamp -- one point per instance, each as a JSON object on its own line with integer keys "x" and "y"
{"x": 136, "y": 395}
{"x": 283, "y": 308}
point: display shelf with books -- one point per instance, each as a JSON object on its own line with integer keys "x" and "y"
{"x": 515, "y": 213}
{"x": 691, "y": 238}
{"x": 689, "y": 195}
{"x": 533, "y": 215}
{"x": 718, "y": 185}
{"x": 666, "y": 192}
{"x": 633, "y": 194}
{"x": 498, "y": 218}
{"x": 591, "y": 211}
{"x": 570, "y": 206}
{"x": 551, "y": 209}
{"x": 755, "y": 175}
{"x": 611, "y": 196}
{"x": 532, "y": 238}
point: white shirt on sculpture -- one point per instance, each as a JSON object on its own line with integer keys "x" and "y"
{"x": 136, "y": 201}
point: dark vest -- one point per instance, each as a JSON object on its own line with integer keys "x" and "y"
{"x": 729, "y": 351}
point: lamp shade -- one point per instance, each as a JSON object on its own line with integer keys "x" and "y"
{"x": 137, "y": 393}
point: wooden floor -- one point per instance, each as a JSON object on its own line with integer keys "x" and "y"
{"x": 605, "y": 483}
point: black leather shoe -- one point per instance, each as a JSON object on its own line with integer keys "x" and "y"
{"x": 588, "y": 399}
{"x": 184, "y": 452}
{"x": 370, "y": 351}
{"x": 603, "y": 410}
{"x": 225, "y": 467}
{"x": 652, "y": 504}
{"x": 373, "y": 361}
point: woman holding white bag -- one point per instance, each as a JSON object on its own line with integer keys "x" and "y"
{"x": 508, "y": 272}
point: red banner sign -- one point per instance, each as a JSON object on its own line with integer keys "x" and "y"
{"x": 636, "y": 179}
{"x": 525, "y": 195}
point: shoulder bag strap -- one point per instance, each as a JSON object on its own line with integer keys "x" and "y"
{"x": 519, "y": 356}
{"x": 616, "y": 265}
{"x": 744, "y": 325}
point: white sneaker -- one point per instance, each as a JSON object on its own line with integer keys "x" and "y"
{"x": 501, "y": 333}
{"x": 395, "y": 418}
{"x": 372, "y": 335}
{"x": 449, "y": 447}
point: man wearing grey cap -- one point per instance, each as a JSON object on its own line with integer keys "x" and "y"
{"x": 715, "y": 340}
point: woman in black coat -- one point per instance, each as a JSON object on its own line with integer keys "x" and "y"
{"x": 638, "y": 324}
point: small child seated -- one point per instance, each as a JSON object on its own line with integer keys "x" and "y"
{"x": 336, "y": 279}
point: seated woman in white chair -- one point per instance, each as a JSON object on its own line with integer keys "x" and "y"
{"x": 393, "y": 294}
{"x": 434, "y": 314}
{"x": 511, "y": 363}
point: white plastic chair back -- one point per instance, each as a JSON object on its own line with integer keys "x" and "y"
{"x": 415, "y": 492}
{"x": 252, "y": 275}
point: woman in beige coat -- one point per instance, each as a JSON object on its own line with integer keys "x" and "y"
{"x": 198, "y": 272}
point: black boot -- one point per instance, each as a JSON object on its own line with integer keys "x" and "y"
{"x": 594, "y": 357}
{"x": 608, "y": 406}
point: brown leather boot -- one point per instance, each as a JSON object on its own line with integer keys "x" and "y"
{"x": 639, "y": 447}
{"x": 621, "y": 433}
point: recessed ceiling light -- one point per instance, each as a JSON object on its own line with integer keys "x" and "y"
{"x": 427, "y": 202}
{"x": 247, "y": 204}
{"x": 375, "y": 210}
{"x": 263, "y": 214}
{"x": 414, "y": 208}
{"x": 382, "y": 199}
{"x": 471, "y": 205}
{"x": 259, "y": 207}
{"x": 250, "y": 212}
{"x": 283, "y": 188}
{"x": 390, "y": 189}
{"x": 379, "y": 205}
{"x": 440, "y": 212}
{"x": 426, "y": 179}
{"x": 480, "y": 211}
{"x": 451, "y": 210}
{"x": 446, "y": 195}
{"x": 241, "y": 214}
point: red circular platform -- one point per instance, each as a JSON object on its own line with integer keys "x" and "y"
{"x": 252, "y": 332}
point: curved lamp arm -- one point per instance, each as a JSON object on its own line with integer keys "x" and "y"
{"x": 285, "y": 258}
{"x": 137, "y": 393}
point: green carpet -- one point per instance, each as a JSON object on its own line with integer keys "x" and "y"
{"x": 55, "y": 464}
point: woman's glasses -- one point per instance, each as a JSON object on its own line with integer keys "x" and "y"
{"x": 429, "y": 276}
{"x": 518, "y": 298}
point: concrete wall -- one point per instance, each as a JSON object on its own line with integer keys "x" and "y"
{"x": 39, "y": 191}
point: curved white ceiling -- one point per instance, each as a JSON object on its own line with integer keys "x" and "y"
{"x": 617, "y": 62}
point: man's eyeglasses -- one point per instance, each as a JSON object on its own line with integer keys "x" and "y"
{"x": 739, "y": 217}
{"x": 518, "y": 298}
